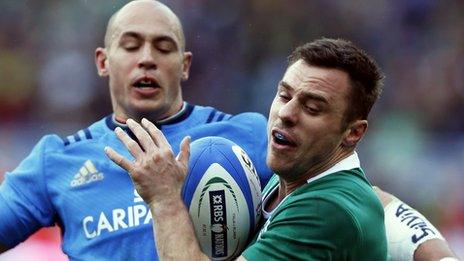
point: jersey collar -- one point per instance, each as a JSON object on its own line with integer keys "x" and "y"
{"x": 178, "y": 117}
{"x": 350, "y": 162}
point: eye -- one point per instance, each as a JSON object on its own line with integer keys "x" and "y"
{"x": 130, "y": 46}
{"x": 166, "y": 47}
{"x": 284, "y": 96}
{"x": 164, "y": 50}
{"x": 312, "y": 109}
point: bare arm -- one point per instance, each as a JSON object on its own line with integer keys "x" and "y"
{"x": 158, "y": 177}
{"x": 433, "y": 249}
{"x": 175, "y": 237}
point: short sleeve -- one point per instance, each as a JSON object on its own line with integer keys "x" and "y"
{"x": 307, "y": 229}
{"x": 24, "y": 204}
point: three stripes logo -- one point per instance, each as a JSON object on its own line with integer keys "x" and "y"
{"x": 87, "y": 174}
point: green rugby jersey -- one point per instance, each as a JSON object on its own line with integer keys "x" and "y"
{"x": 331, "y": 217}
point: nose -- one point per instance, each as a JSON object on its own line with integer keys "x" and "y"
{"x": 147, "y": 58}
{"x": 288, "y": 113}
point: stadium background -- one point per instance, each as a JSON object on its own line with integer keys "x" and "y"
{"x": 415, "y": 145}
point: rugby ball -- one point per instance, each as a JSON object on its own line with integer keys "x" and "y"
{"x": 223, "y": 195}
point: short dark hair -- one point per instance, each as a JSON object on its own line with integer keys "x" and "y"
{"x": 365, "y": 76}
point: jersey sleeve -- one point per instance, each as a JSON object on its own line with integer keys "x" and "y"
{"x": 406, "y": 230}
{"x": 24, "y": 203}
{"x": 258, "y": 143}
{"x": 310, "y": 229}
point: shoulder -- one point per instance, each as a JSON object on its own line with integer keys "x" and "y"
{"x": 321, "y": 215}
{"x": 254, "y": 122}
{"x": 53, "y": 143}
{"x": 349, "y": 190}
{"x": 48, "y": 144}
{"x": 346, "y": 202}
{"x": 81, "y": 135}
{"x": 346, "y": 187}
{"x": 88, "y": 134}
{"x": 316, "y": 220}
{"x": 249, "y": 125}
{"x": 341, "y": 205}
{"x": 320, "y": 205}
{"x": 211, "y": 115}
{"x": 207, "y": 114}
{"x": 253, "y": 118}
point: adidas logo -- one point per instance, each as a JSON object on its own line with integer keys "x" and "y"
{"x": 88, "y": 173}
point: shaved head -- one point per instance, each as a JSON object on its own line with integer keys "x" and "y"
{"x": 144, "y": 42}
{"x": 132, "y": 8}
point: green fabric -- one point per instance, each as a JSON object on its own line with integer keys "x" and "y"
{"x": 337, "y": 217}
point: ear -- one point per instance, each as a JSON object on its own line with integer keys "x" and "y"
{"x": 101, "y": 61}
{"x": 354, "y": 133}
{"x": 186, "y": 63}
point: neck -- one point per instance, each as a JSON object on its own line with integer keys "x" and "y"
{"x": 288, "y": 183}
{"x": 121, "y": 117}
{"x": 340, "y": 154}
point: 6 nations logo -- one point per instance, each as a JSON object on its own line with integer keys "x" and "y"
{"x": 218, "y": 215}
{"x": 218, "y": 223}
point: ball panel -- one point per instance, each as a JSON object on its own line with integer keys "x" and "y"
{"x": 253, "y": 185}
{"x": 217, "y": 213}
{"x": 223, "y": 195}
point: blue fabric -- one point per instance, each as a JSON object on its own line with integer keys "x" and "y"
{"x": 72, "y": 183}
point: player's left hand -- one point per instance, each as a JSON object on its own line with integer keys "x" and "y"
{"x": 158, "y": 176}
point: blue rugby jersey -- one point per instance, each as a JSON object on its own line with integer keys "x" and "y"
{"x": 72, "y": 183}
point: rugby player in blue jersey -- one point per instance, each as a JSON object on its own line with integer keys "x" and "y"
{"x": 70, "y": 182}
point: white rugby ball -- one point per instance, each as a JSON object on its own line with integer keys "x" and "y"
{"x": 223, "y": 195}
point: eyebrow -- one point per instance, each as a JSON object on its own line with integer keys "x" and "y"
{"x": 131, "y": 34}
{"x": 306, "y": 95}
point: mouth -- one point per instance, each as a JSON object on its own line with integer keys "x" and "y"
{"x": 282, "y": 139}
{"x": 145, "y": 82}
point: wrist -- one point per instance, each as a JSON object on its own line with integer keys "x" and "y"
{"x": 167, "y": 206}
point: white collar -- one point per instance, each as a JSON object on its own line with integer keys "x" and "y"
{"x": 347, "y": 163}
{"x": 178, "y": 114}
{"x": 350, "y": 162}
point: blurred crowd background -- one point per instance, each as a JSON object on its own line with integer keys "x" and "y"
{"x": 415, "y": 145}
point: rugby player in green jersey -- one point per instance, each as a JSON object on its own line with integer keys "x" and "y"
{"x": 430, "y": 249}
{"x": 320, "y": 205}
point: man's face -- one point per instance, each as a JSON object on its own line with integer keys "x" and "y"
{"x": 145, "y": 63}
{"x": 305, "y": 120}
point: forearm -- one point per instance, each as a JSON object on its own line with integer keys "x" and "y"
{"x": 434, "y": 249}
{"x": 169, "y": 217}
{"x": 404, "y": 223}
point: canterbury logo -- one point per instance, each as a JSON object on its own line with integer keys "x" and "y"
{"x": 88, "y": 173}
